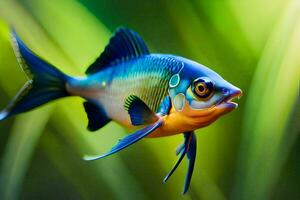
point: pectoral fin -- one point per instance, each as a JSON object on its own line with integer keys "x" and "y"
{"x": 139, "y": 112}
{"x": 129, "y": 140}
{"x": 187, "y": 148}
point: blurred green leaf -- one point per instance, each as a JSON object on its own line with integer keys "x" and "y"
{"x": 19, "y": 150}
{"x": 269, "y": 109}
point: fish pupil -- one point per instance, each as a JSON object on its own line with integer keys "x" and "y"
{"x": 201, "y": 88}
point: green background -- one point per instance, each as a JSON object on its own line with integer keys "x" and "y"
{"x": 251, "y": 153}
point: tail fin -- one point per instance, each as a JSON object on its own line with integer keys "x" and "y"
{"x": 45, "y": 83}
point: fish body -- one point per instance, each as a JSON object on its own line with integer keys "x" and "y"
{"x": 146, "y": 77}
{"x": 158, "y": 94}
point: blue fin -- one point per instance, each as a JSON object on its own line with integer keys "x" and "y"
{"x": 175, "y": 166}
{"x": 96, "y": 115}
{"x": 140, "y": 113}
{"x": 165, "y": 106}
{"x": 129, "y": 140}
{"x": 47, "y": 83}
{"x": 124, "y": 45}
{"x": 187, "y": 148}
{"x": 191, "y": 155}
{"x": 179, "y": 149}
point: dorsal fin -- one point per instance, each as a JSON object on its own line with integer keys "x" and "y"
{"x": 124, "y": 45}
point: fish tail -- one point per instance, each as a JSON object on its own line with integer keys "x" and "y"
{"x": 45, "y": 84}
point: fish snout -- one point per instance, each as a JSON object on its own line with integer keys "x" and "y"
{"x": 229, "y": 95}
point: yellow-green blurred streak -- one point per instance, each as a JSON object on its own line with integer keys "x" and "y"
{"x": 191, "y": 31}
{"x": 81, "y": 36}
{"x": 19, "y": 149}
{"x": 271, "y": 101}
{"x": 256, "y": 18}
{"x": 222, "y": 27}
{"x": 38, "y": 40}
{"x": 82, "y": 175}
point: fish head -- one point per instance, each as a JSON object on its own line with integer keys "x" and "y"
{"x": 200, "y": 94}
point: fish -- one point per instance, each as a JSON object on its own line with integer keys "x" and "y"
{"x": 157, "y": 95}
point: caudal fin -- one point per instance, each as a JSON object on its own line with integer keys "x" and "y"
{"x": 45, "y": 83}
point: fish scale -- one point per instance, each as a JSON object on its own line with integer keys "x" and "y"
{"x": 146, "y": 77}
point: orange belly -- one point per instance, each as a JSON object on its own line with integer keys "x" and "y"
{"x": 177, "y": 122}
{"x": 188, "y": 119}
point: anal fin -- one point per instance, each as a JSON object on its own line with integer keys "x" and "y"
{"x": 96, "y": 115}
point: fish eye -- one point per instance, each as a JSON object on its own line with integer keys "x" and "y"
{"x": 203, "y": 88}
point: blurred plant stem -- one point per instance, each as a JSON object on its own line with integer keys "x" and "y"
{"x": 19, "y": 150}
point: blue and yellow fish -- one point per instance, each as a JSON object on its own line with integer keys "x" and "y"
{"x": 160, "y": 94}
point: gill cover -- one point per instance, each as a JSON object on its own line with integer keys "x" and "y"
{"x": 197, "y": 85}
{"x": 177, "y": 88}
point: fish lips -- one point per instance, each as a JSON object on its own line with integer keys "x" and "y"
{"x": 227, "y": 102}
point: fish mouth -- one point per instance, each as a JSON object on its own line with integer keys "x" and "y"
{"x": 228, "y": 100}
